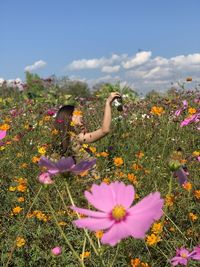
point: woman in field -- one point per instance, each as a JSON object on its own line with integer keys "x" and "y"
{"x": 72, "y": 134}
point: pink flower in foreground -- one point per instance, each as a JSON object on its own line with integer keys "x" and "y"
{"x": 195, "y": 255}
{"x": 56, "y": 251}
{"x": 116, "y": 214}
{"x": 182, "y": 257}
{"x": 45, "y": 178}
{"x": 2, "y": 134}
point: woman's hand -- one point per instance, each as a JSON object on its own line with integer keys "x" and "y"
{"x": 112, "y": 97}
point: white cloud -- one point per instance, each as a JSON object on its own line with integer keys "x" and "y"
{"x": 37, "y": 65}
{"x": 95, "y": 63}
{"x": 142, "y": 71}
{"x": 139, "y": 59}
{"x": 110, "y": 69}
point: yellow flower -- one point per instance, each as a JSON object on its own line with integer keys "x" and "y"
{"x": 157, "y": 110}
{"x": 41, "y": 150}
{"x": 196, "y": 153}
{"x": 17, "y": 210}
{"x": 187, "y": 186}
{"x": 92, "y": 149}
{"x": 12, "y": 188}
{"x": 2, "y": 148}
{"x": 20, "y": 241}
{"x": 72, "y": 124}
{"x": 157, "y": 228}
{"x": 99, "y": 234}
{"x": 118, "y": 161}
{"x": 193, "y": 217}
{"x": 191, "y": 111}
{"x": 62, "y": 223}
{"x": 5, "y": 127}
{"x": 197, "y": 194}
{"x": 20, "y": 199}
{"x": 84, "y": 255}
{"x": 152, "y": 239}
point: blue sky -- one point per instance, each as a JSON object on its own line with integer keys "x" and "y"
{"x": 145, "y": 43}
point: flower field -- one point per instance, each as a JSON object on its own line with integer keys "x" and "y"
{"x": 141, "y": 206}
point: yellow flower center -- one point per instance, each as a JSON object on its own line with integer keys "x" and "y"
{"x": 118, "y": 212}
{"x": 183, "y": 255}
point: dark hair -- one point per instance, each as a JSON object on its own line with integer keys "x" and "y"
{"x": 62, "y": 123}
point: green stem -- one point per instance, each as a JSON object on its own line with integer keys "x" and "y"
{"x": 63, "y": 234}
{"x": 86, "y": 232}
{"x": 22, "y": 225}
{"x": 116, "y": 253}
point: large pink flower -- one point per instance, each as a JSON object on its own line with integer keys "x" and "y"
{"x": 116, "y": 214}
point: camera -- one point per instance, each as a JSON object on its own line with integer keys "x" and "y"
{"x": 118, "y": 103}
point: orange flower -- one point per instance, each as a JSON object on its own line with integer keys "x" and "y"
{"x": 99, "y": 234}
{"x": 104, "y": 154}
{"x": 157, "y": 110}
{"x": 187, "y": 186}
{"x": 197, "y": 194}
{"x": 191, "y": 111}
{"x": 17, "y": 210}
{"x": 5, "y": 127}
{"x": 118, "y": 161}
{"x": 132, "y": 178}
{"x": 20, "y": 241}
{"x": 193, "y": 217}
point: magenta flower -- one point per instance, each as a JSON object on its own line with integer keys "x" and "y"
{"x": 2, "y": 134}
{"x": 182, "y": 257}
{"x": 179, "y": 111}
{"x": 195, "y": 255}
{"x": 45, "y": 178}
{"x": 194, "y": 118}
{"x": 66, "y": 165}
{"x": 56, "y": 251}
{"x": 116, "y": 215}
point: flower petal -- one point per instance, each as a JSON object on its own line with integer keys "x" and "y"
{"x": 94, "y": 224}
{"x": 2, "y": 134}
{"x": 95, "y": 214}
{"x": 101, "y": 197}
{"x": 144, "y": 213}
{"x": 82, "y": 166}
{"x": 117, "y": 232}
{"x": 64, "y": 164}
{"x": 51, "y": 167}
{"x": 123, "y": 194}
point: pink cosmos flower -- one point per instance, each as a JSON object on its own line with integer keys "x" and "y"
{"x": 2, "y": 134}
{"x": 179, "y": 111}
{"x": 195, "y": 255}
{"x": 198, "y": 158}
{"x": 182, "y": 257}
{"x": 45, "y": 178}
{"x": 56, "y": 251}
{"x": 116, "y": 215}
{"x": 194, "y": 118}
